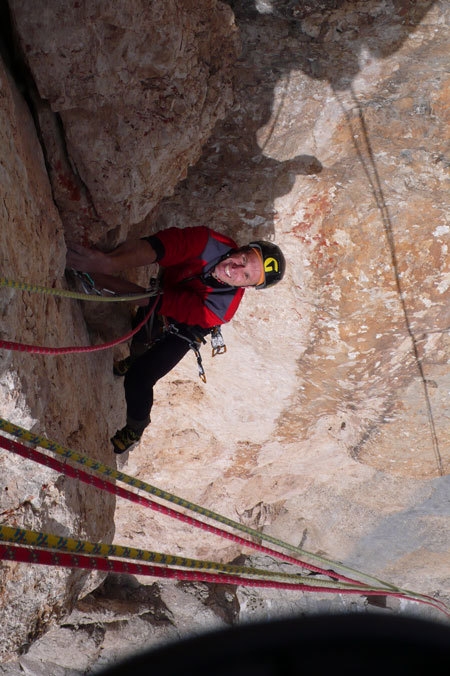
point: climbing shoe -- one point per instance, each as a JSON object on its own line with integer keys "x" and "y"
{"x": 125, "y": 439}
{"x": 121, "y": 367}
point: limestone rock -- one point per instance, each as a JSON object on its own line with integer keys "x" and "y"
{"x": 326, "y": 425}
{"x": 325, "y": 422}
{"x": 138, "y": 87}
{"x": 37, "y": 391}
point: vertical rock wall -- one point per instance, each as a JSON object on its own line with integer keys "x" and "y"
{"x": 37, "y": 391}
{"x": 325, "y": 422}
{"x": 138, "y": 87}
{"x": 76, "y": 162}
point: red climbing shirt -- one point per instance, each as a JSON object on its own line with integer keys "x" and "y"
{"x": 190, "y": 296}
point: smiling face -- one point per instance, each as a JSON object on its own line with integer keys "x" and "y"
{"x": 242, "y": 268}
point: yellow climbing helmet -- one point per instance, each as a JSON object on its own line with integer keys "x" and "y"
{"x": 274, "y": 263}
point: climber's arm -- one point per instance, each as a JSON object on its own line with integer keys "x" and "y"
{"x": 130, "y": 254}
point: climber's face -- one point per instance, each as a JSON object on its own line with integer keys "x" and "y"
{"x": 242, "y": 268}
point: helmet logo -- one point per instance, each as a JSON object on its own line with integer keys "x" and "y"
{"x": 271, "y": 265}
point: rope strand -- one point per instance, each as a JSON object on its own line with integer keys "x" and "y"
{"x": 37, "y": 349}
{"x": 31, "y": 538}
{"x": 39, "y": 555}
{"x": 111, "y": 487}
{"x": 386, "y": 589}
{"x": 112, "y": 473}
{"x": 75, "y": 295}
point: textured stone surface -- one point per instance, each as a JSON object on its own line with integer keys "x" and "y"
{"x": 37, "y": 391}
{"x": 325, "y": 423}
{"x": 138, "y": 87}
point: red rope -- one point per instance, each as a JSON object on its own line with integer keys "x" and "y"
{"x": 110, "y": 487}
{"x": 41, "y": 556}
{"x": 36, "y": 349}
{"x": 67, "y": 560}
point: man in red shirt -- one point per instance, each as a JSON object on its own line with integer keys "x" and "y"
{"x": 204, "y": 275}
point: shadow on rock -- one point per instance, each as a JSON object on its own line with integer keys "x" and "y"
{"x": 327, "y": 41}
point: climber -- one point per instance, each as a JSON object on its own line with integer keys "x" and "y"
{"x": 203, "y": 275}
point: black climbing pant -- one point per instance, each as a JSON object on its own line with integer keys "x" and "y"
{"x": 147, "y": 369}
{"x": 155, "y": 353}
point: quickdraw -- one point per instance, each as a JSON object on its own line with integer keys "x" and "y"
{"x": 217, "y": 344}
{"x": 201, "y": 370}
{"x": 217, "y": 341}
{"x": 194, "y": 344}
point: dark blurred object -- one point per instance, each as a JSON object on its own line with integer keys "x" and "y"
{"x": 355, "y": 643}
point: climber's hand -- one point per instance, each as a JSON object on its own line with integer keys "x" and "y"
{"x": 86, "y": 259}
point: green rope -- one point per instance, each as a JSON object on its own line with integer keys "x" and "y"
{"x": 181, "y": 502}
{"x": 54, "y": 542}
{"x": 64, "y": 293}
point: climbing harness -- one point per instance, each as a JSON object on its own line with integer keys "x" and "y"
{"x": 195, "y": 342}
{"x": 217, "y": 342}
{"x": 338, "y": 583}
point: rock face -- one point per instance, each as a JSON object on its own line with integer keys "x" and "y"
{"x": 32, "y": 387}
{"x": 138, "y": 87}
{"x": 325, "y": 422}
{"x": 41, "y": 392}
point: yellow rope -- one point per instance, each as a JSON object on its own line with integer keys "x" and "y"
{"x": 54, "y": 542}
{"x": 64, "y": 293}
{"x": 112, "y": 473}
